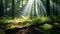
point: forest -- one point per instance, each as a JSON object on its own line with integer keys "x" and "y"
{"x": 29, "y": 16}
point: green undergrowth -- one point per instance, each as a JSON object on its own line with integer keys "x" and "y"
{"x": 9, "y": 23}
{"x": 2, "y": 32}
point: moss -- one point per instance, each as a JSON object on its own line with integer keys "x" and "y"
{"x": 47, "y": 26}
{"x": 2, "y": 32}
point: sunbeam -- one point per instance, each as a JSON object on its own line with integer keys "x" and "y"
{"x": 27, "y": 8}
{"x": 42, "y": 8}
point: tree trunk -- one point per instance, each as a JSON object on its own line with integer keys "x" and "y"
{"x": 6, "y": 6}
{"x": 55, "y": 8}
{"x": 1, "y": 8}
{"x": 13, "y": 9}
{"x": 48, "y": 7}
{"x": 34, "y": 8}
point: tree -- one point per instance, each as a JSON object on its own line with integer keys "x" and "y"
{"x": 35, "y": 8}
{"x": 55, "y": 8}
{"x": 6, "y": 5}
{"x": 48, "y": 7}
{"x": 1, "y": 8}
{"x": 13, "y": 9}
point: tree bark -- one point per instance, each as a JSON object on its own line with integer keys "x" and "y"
{"x": 55, "y": 8}
{"x": 48, "y": 7}
{"x": 34, "y": 8}
{"x": 13, "y": 9}
{"x": 1, "y": 8}
{"x": 6, "y": 6}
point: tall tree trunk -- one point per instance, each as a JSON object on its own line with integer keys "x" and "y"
{"x": 55, "y": 8}
{"x": 22, "y": 5}
{"x": 6, "y": 6}
{"x": 48, "y": 7}
{"x": 13, "y": 9}
{"x": 34, "y": 8}
{"x": 1, "y": 8}
{"x": 18, "y": 2}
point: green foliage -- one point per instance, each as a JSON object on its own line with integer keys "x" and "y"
{"x": 9, "y": 23}
{"x": 2, "y": 33}
{"x": 9, "y": 1}
{"x": 47, "y": 26}
{"x": 23, "y": 22}
{"x": 41, "y": 19}
{"x": 26, "y": 22}
{"x": 56, "y": 19}
{"x": 3, "y": 19}
{"x": 18, "y": 22}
